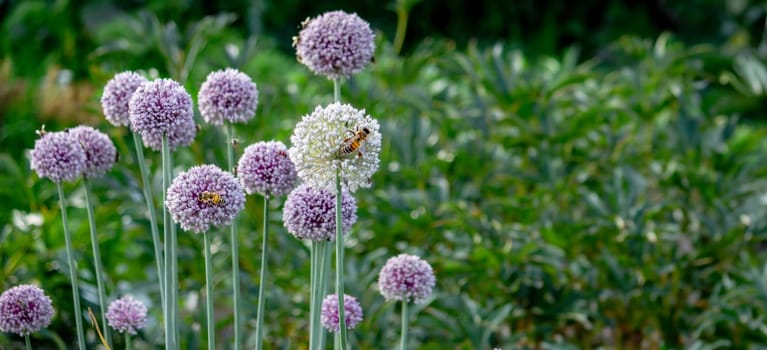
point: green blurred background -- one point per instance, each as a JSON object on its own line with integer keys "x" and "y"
{"x": 580, "y": 174}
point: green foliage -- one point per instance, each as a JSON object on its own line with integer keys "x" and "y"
{"x": 616, "y": 201}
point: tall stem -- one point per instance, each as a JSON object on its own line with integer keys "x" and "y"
{"x": 264, "y": 250}
{"x": 399, "y": 36}
{"x": 340, "y": 261}
{"x": 313, "y": 305}
{"x": 235, "y": 254}
{"x": 324, "y": 273}
{"x": 209, "y": 293}
{"x": 72, "y": 269}
{"x": 97, "y": 262}
{"x": 26, "y": 340}
{"x": 170, "y": 332}
{"x": 127, "y": 341}
{"x": 405, "y": 318}
{"x": 147, "y": 185}
{"x": 336, "y": 90}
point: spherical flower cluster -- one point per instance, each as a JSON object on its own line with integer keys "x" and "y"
{"x": 126, "y": 315}
{"x": 227, "y": 95}
{"x": 158, "y": 107}
{"x": 203, "y": 196}
{"x": 24, "y": 309}
{"x": 180, "y": 136}
{"x": 335, "y": 44}
{"x": 327, "y": 139}
{"x": 265, "y": 168}
{"x": 100, "y": 152}
{"x": 329, "y": 315}
{"x": 406, "y": 277}
{"x": 58, "y": 156}
{"x": 309, "y": 213}
{"x": 117, "y": 93}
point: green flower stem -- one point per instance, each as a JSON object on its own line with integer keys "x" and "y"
{"x": 235, "y": 253}
{"x": 147, "y": 184}
{"x": 399, "y": 35}
{"x": 127, "y": 341}
{"x": 72, "y": 269}
{"x": 324, "y": 272}
{"x": 264, "y": 250}
{"x": 26, "y": 340}
{"x": 336, "y": 90}
{"x": 314, "y": 287}
{"x": 209, "y": 293}
{"x": 340, "y": 262}
{"x": 405, "y": 318}
{"x": 169, "y": 312}
{"x": 97, "y": 262}
{"x": 174, "y": 266}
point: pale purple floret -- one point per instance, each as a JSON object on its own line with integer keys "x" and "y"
{"x": 329, "y": 316}
{"x": 159, "y": 106}
{"x": 227, "y": 95}
{"x": 117, "y": 93}
{"x": 203, "y": 196}
{"x": 100, "y": 152}
{"x": 126, "y": 315}
{"x": 335, "y": 44}
{"x": 310, "y": 213}
{"x": 58, "y": 156}
{"x": 24, "y": 309}
{"x": 180, "y": 136}
{"x": 265, "y": 168}
{"x": 406, "y": 277}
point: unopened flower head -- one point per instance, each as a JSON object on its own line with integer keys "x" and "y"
{"x": 309, "y": 213}
{"x": 24, "y": 309}
{"x": 338, "y": 135}
{"x": 265, "y": 168}
{"x": 117, "y": 93}
{"x": 204, "y": 196}
{"x": 100, "y": 152}
{"x": 180, "y": 136}
{"x": 329, "y": 316}
{"x": 406, "y": 277}
{"x": 335, "y": 44}
{"x": 58, "y": 156}
{"x": 227, "y": 95}
{"x": 159, "y": 106}
{"x": 126, "y": 315}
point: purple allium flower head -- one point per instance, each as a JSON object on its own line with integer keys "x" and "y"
{"x": 329, "y": 316}
{"x": 406, "y": 277}
{"x": 335, "y": 44}
{"x": 100, "y": 152}
{"x": 180, "y": 136}
{"x": 309, "y": 213}
{"x": 126, "y": 315}
{"x": 265, "y": 168}
{"x": 117, "y": 93}
{"x": 204, "y": 195}
{"x": 321, "y": 143}
{"x": 227, "y": 95}
{"x": 24, "y": 309}
{"x": 58, "y": 156}
{"x": 159, "y": 106}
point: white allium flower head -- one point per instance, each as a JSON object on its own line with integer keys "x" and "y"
{"x": 318, "y": 141}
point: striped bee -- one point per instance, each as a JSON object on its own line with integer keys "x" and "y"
{"x": 353, "y": 144}
{"x": 211, "y": 197}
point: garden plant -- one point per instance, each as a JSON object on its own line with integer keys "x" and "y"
{"x": 343, "y": 190}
